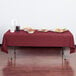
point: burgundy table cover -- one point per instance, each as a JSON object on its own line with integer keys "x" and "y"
{"x": 38, "y": 39}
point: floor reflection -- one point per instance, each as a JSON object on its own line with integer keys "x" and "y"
{"x": 36, "y": 70}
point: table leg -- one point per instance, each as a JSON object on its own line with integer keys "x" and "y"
{"x": 66, "y": 53}
{"x": 62, "y": 57}
{"x": 14, "y": 56}
{"x": 10, "y": 57}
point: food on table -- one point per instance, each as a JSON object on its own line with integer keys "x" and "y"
{"x": 29, "y": 30}
{"x": 60, "y": 30}
{"x": 43, "y": 30}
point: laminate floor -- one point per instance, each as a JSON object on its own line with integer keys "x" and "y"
{"x": 31, "y": 61}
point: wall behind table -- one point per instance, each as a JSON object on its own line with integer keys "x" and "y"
{"x": 38, "y": 14}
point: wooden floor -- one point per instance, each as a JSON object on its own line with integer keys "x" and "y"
{"x": 36, "y": 62}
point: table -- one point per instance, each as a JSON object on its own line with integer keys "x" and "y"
{"x": 38, "y": 39}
